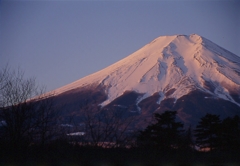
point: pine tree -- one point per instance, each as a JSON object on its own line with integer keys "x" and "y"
{"x": 230, "y": 133}
{"x": 207, "y": 132}
{"x": 165, "y": 134}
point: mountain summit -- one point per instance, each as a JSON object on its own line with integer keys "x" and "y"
{"x": 179, "y": 72}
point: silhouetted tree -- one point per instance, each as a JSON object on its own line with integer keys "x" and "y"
{"x": 187, "y": 142}
{"x": 106, "y": 127}
{"x": 25, "y": 113}
{"x": 230, "y": 133}
{"x": 207, "y": 132}
{"x": 165, "y": 134}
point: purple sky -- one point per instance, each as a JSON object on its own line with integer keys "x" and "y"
{"x": 59, "y": 42}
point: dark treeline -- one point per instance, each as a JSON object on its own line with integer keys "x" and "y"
{"x": 214, "y": 134}
{"x": 31, "y": 132}
{"x": 211, "y": 134}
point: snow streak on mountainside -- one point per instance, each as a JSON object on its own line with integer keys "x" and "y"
{"x": 172, "y": 65}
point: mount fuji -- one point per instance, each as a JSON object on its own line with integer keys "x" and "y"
{"x": 186, "y": 73}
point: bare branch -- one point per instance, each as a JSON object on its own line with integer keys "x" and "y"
{"x": 29, "y": 115}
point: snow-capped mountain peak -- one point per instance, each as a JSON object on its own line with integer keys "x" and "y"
{"x": 172, "y": 66}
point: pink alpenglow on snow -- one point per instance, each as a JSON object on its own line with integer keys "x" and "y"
{"x": 180, "y": 62}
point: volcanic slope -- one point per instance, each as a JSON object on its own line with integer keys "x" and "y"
{"x": 167, "y": 70}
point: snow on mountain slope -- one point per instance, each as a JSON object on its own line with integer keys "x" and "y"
{"x": 177, "y": 63}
